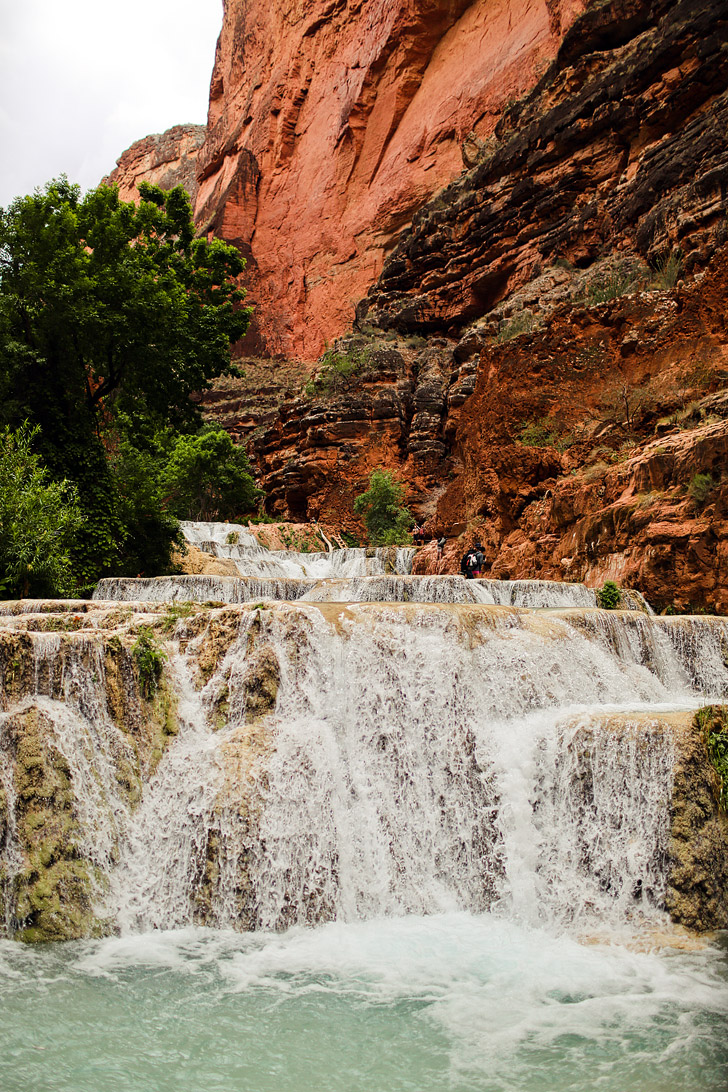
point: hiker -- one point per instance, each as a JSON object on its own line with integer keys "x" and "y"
{"x": 441, "y": 543}
{"x": 468, "y": 563}
{"x": 479, "y": 559}
{"x": 472, "y": 562}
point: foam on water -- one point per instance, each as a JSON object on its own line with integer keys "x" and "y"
{"x": 456, "y": 1002}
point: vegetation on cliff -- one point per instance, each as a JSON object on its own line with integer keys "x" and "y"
{"x": 111, "y": 316}
{"x": 387, "y": 521}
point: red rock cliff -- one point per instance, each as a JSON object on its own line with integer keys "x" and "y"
{"x": 164, "y": 159}
{"x": 332, "y": 121}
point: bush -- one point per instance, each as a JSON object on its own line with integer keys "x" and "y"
{"x": 699, "y": 488}
{"x": 614, "y": 279}
{"x": 712, "y": 720}
{"x": 39, "y": 521}
{"x": 338, "y": 371}
{"x": 609, "y": 597}
{"x": 387, "y": 521}
{"x": 521, "y": 323}
{"x": 538, "y": 433}
{"x": 666, "y": 269}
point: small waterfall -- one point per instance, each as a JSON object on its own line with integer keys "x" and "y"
{"x": 163, "y": 846}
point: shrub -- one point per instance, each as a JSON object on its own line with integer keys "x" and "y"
{"x": 149, "y": 659}
{"x": 338, "y": 371}
{"x": 712, "y": 720}
{"x": 207, "y": 477}
{"x": 666, "y": 269}
{"x": 699, "y": 488}
{"x": 387, "y": 521}
{"x": 609, "y": 597}
{"x": 521, "y": 323}
{"x": 538, "y": 433}
{"x": 614, "y": 279}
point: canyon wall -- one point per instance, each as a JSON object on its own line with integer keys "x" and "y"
{"x": 331, "y": 122}
{"x": 544, "y": 353}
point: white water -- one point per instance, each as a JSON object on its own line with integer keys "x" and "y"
{"x": 446, "y": 1003}
{"x": 449, "y": 837}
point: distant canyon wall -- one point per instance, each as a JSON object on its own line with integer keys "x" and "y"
{"x": 331, "y": 123}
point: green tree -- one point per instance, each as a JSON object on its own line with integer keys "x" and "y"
{"x": 387, "y": 520}
{"x": 109, "y": 313}
{"x": 207, "y": 477}
{"x": 39, "y": 521}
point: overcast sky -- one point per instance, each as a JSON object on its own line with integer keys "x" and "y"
{"x": 81, "y": 80}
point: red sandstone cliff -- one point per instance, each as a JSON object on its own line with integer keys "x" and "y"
{"x": 164, "y": 159}
{"x": 331, "y": 122}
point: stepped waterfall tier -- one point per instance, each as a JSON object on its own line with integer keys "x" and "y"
{"x": 326, "y": 791}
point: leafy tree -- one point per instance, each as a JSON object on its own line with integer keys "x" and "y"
{"x": 109, "y": 312}
{"x": 387, "y": 521}
{"x": 208, "y": 477}
{"x": 39, "y": 521}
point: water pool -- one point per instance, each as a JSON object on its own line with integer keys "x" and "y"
{"x": 448, "y": 1003}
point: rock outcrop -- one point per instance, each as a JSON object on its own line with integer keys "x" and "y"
{"x": 165, "y": 159}
{"x": 619, "y": 152}
{"x": 330, "y": 123}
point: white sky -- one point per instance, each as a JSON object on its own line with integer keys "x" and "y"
{"x": 81, "y": 80}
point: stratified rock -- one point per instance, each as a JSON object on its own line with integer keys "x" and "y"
{"x": 329, "y": 125}
{"x": 165, "y": 159}
{"x": 621, "y": 145}
{"x": 585, "y": 445}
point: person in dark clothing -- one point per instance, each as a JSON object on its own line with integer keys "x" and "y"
{"x": 472, "y": 562}
{"x": 441, "y": 543}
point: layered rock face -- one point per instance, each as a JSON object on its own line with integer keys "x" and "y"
{"x": 620, "y": 149}
{"x": 330, "y": 123}
{"x": 594, "y": 444}
{"x": 165, "y": 159}
{"x": 596, "y": 448}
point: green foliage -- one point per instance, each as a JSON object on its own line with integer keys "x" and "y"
{"x": 338, "y": 371}
{"x": 699, "y": 488}
{"x": 612, "y": 280}
{"x": 149, "y": 659}
{"x": 111, "y": 313}
{"x": 712, "y": 720}
{"x": 150, "y": 530}
{"x": 39, "y": 521}
{"x": 207, "y": 477}
{"x": 538, "y": 433}
{"x": 176, "y": 611}
{"x": 521, "y": 323}
{"x": 666, "y": 269}
{"x": 609, "y": 597}
{"x": 387, "y": 521}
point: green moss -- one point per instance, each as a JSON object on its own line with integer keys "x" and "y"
{"x": 712, "y": 720}
{"x": 149, "y": 659}
{"x": 52, "y": 894}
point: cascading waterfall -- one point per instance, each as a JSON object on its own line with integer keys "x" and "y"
{"x": 418, "y": 795}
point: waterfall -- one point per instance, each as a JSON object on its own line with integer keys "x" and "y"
{"x": 359, "y": 745}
